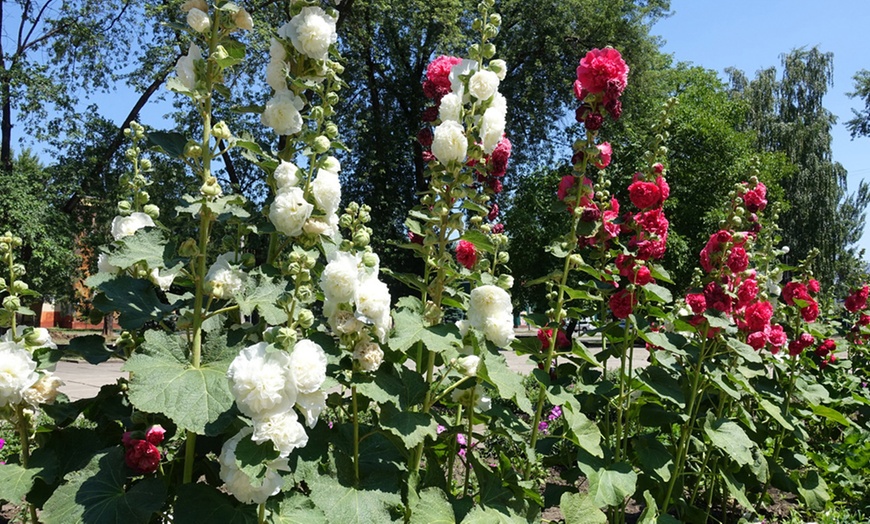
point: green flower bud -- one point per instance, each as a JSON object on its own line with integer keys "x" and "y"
{"x": 361, "y": 238}
{"x": 503, "y": 257}
{"x": 18, "y": 270}
{"x": 489, "y": 48}
{"x": 142, "y": 197}
{"x": 345, "y": 221}
{"x": 331, "y": 130}
{"x": 495, "y": 19}
{"x": 305, "y": 318}
{"x": 221, "y": 131}
{"x": 248, "y": 260}
{"x": 4, "y": 247}
{"x": 125, "y": 207}
{"x": 145, "y": 164}
{"x": 370, "y": 260}
{"x": 286, "y": 337}
{"x": 11, "y": 303}
{"x": 128, "y": 132}
{"x": 192, "y": 149}
{"x": 211, "y": 188}
{"x": 19, "y": 286}
{"x": 321, "y": 144}
{"x": 505, "y": 282}
{"x": 130, "y": 154}
{"x": 188, "y": 248}
{"x": 332, "y": 98}
{"x": 152, "y": 211}
{"x": 220, "y": 53}
{"x": 575, "y": 260}
{"x": 2, "y": 283}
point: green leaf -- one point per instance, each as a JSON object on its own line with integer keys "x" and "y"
{"x": 432, "y": 507}
{"x": 775, "y": 412}
{"x": 610, "y": 486}
{"x": 399, "y": 386}
{"x": 169, "y": 142}
{"x": 136, "y": 301}
{"x": 298, "y": 509}
{"x": 814, "y": 491}
{"x": 197, "y": 503}
{"x": 146, "y": 245}
{"x": 656, "y": 380}
{"x": 657, "y": 293}
{"x": 580, "y": 294}
{"x": 812, "y": 393}
{"x": 481, "y": 241}
{"x": 494, "y": 369}
{"x": 164, "y": 383}
{"x": 658, "y": 339}
{"x": 831, "y": 414}
{"x": 744, "y": 350}
{"x": 235, "y": 54}
{"x": 730, "y": 438}
{"x": 412, "y": 428}
{"x": 491, "y": 515}
{"x": 260, "y": 293}
{"x": 717, "y": 319}
{"x": 92, "y": 348}
{"x": 737, "y": 491}
{"x": 580, "y": 508}
{"x": 659, "y": 273}
{"x": 583, "y": 432}
{"x": 97, "y": 495}
{"x": 347, "y": 505}
{"x": 15, "y": 482}
{"x": 653, "y": 457}
{"x": 651, "y": 511}
{"x": 409, "y": 329}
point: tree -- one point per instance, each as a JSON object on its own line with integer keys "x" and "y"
{"x": 860, "y": 124}
{"x": 789, "y": 117}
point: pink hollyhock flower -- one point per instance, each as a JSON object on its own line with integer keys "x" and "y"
{"x": 758, "y": 316}
{"x": 713, "y": 250}
{"x": 757, "y": 339}
{"x": 579, "y": 91}
{"x": 658, "y": 168}
{"x": 755, "y": 199}
{"x": 493, "y": 213}
{"x": 544, "y": 337}
{"x": 645, "y": 194}
{"x": 500, "y": 156}
{"x": 810, "y": 312}
{"x": 747, "y": 292}
{"x": 437, "y": 83}
{"x": 777, "y": 336}
{"x": 857, "y": 300}
{"x": 650, "y": 249}
{"x": 142, "y": 457}
{"x": 127, "y": 439}
{"x": 555, "y": 413}
{"x": 696, "y": 302}
{"x": 814, "y": 286}
{"x": 497, "y": 228}
{"x": 466, "y": 254}
{"x": 605, "y": 152}
{"x": 663, "y": 187}
{"x": 795, "y": 290}
{"x": 622, "y": 303}
{"x": 603, "y": 70}
{"x": 155, "y": 434}
{"x": 738, "y": 259}
{"x": 424, "y": 136}
{"x": 653, "y": 221}
{"x": 717, "y": 298}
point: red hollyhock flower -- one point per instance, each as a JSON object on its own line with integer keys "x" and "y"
{"x": 713, "y": 250}
{"x": 777, "y": 336}
{"x": 827, "y": 346}
{"x": 544, "y": 337}
{"x": 593, "y": 121}
{"x": 466, "y": 254}
{"x": 498, "y": 228}
{"x": 738, "y": 260}
{"x": 562, "y": 341}
{"x": 658, "y": 168}
{"x": 795, "y": 290}
{"x": 437, "y": 83}
{"x": 414, "y": 238}
{"x": 605, "y": 152}
{"x": 747, "y": 292}
{"x": 493, "y": 213}
{"x": 500, "y": 156}
{"x": 663, "y": 187}
{"x": 653, "y": 221}
{"x": 757, "y": 339}
{"x": 430, "y": 114}
{"x": 579, "y": 91}
{"x": 622, "y": 303}
{"x": 155, "y": 434}
{"x": 755, "y": 199}
{"x": 814, "y": 286}
{"x": 696, "y": 302}
{"x": 857, "y": 300}
{"x": 645, "y": 194}
{"x": 603, "y": 70}
{"x": 810, "y": 312}
{"x": 864, "y": 320}
{"x": 717, "y": 298}
{"x": 642, "y": 276}
{"x": 142, "y": 457}
{"x": 424, "y": 136}
{"x": 625, "y": 265}
{"x": 758, "y": 315}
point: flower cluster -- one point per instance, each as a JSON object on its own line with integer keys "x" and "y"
{"x": 20, "y": 382}
{"x": 491, "y": 313}
{"x": 140, "y": 451}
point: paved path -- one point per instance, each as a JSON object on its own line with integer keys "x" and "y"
{"x": 83, "y": 380}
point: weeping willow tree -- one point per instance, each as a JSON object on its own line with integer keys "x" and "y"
{"x": 788, "y": 116}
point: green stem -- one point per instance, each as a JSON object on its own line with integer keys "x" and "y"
{"x": 453, "y": 450}
{"x": 261, "y": 513}
{"x": 355, "y": 435}
{"x": 450, "y": 388}
{"x": 781, "y": 436}
{"x": 468, "y": 445}
{"x": 24, "y": 456}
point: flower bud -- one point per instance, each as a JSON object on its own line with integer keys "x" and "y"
{"x": 145, "y": 164}
{"x": 194, "y": 4}
{"x": 370, "y": 260}
{"x": 125, "y": 207}
{"x": 503, "y": 257}
{"x": 152, "y": 211}
{"x": 19, "y": 286}
{"x": 488, "y": 50}
{"x": 188, "y": 248}
{"x": 243, "y": 20}
{"x": 331, "y": 130}
{"x": 499, "y": 67}
{"x": 321, "y": 144}
{"x": 305, "y": 318}
{"x": 468, "y": 365}
{"x": 11, "y": 303}
{"x": 495, "y": 19}
{"x": 505, "y": 282}
{"x": 192, "y": 149}
{"x": 335, "y": 66}
{"x": 18, "y": 270}
{"x": 361, "y": 238}
{"x": 211, "y": 188}
{"x": 248, "y": 260}
{"x": 345, "y": 221}
{"x": 221, "y": 131}
{"x": 4, "y": 247}
{"x": 198, "y": 20}
{"x": 220, "y": 53}
{"x": 130, "y": 154}
{"x": 331, "y": 98}
{"x": 142, "y": 197}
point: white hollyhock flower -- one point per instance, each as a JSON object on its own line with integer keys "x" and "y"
{"x": 103, "y": 265}
{"x": 243, "y": 20}
{"x": 289, "y": 211}
{"x": 282, "y": 113}
{"x": 449, "y": 143}
{"x": 456, "y": 72}
{"x": 163, "y": 281}
{"x": 17, "y": 373}
{"x": 483, "y": 84}
{"x": 44, "y": 391}
{"x": 185, "y": 68}
{"x": 369, "y": 355}
{"x": 468, "y": 365}
{"x": 450, "y": 108}
{"x": 308, "y": 366}
{"x": 277, "y": 53}
{"x": 286, "y": 175}
{"x": 327, "y": 226}
{"x": 331, "y": 164}
{"x": 224, "y": 279}
{"x": 198, "y": 20}
{"x": 276, "y": 75}
{"x": 499, "y": 67}
{"x": 344, "y": 322}
{"x": 340, "y": 277}
{"x": 326, "y": 189}
{"x": 38, "y": 338}
{"x": 191, "y": 4}
{"x": 283, "y": 429}
{"x": 312, "y": 31}
{"x": 126, "y": 226}
{"x": 262, "y": 383}
{"x": 246, "y": 489}
{"x": 493, "y": 123}
{"x": 490, "y": 312}
{"x": 373, "y": 304}
{"x": 311, "y": 405}
{"x": 476, "y": 395}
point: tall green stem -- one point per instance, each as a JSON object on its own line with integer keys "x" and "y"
{"x": 24, "y": 438}
{"x": 781, "y": 436}
{"x": 355, "y": 434}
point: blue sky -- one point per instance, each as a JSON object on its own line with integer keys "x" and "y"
{"x": 751, "y": 35}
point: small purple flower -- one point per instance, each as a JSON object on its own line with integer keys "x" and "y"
{"x": 460, "y": 438}
{"x": 543, "y": 426}
{"x": 440, "y": 429}
{"x": 330, "y": 424}
{"x": 462, "y": 452}
{"x": 555, "y": 413}
{"x": 863, "y": 384}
